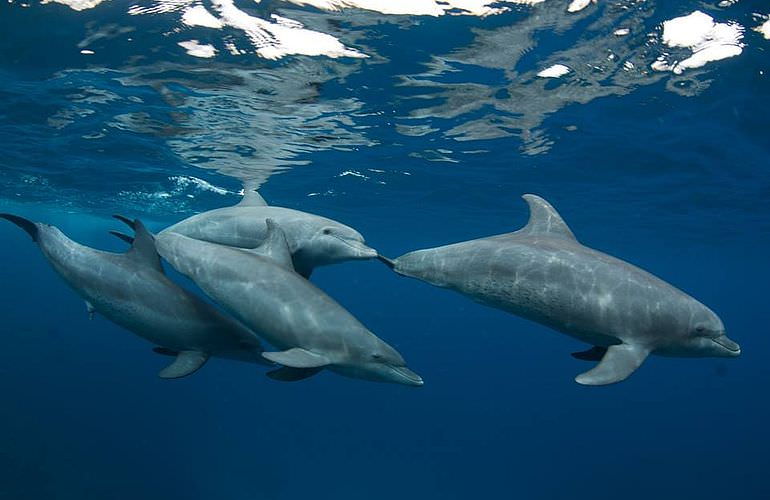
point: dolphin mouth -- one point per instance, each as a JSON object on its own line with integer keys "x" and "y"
{"x": 725, "y": 342}
{"x": 362, "y": 251}
{"x": 407, "y": 376}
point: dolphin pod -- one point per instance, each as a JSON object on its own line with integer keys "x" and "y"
{"x": 132, "y": 290}
{"x": 253, "y": 260}
{"x": 542, "y": 273}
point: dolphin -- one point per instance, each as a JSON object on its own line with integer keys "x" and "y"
{"x": 542, "y": 273}
{"x": 313, "y": 240}
{"x": 131, "y": 290}
{"x": 260, "y": 287}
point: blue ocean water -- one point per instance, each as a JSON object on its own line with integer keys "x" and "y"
{"x": 425, "y": 130}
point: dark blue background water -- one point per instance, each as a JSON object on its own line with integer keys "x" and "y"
{"x": 673, "y": 180}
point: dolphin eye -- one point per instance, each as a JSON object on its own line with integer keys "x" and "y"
{"x": 327, "y": 231}
{"x": 700, "y": 329}
{"x": 377, "y": 356}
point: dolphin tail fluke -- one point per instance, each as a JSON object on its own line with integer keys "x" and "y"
{"x": 26, "y": 224}
{"x": 128, "y": 239}
{"x": 617, "y": 365}
{"x": 125, "y": 220}
{"x": 388, "y": 262}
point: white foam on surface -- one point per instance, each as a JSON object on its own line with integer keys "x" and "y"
{"x": 184, "y": 181}
{"x": 419, "y": 7}
{"x": 708, "y": 40}
{"x": 77, "y": 4}
{"x": 578, "y": 5}
{"x": 273, "y": 40}
{"x": 199, "y": 16}
{"x": 764, "y": 28}
{"x": 555, "y": 71}
{"x": 194, "y": 48}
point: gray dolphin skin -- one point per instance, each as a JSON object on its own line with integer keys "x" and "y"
{"x": 260, "y": 287}
{"x": 131, "y": 290}
{"x": 542, "y": 273}
{"x": 313, "y": 240}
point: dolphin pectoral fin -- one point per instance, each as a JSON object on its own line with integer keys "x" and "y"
{"x": 164, "y": 351}
{"x": 620, "y": 361}
{"x": 186, "y": 363}
{"x": 596, "y": 353}
{"x": 289, "y": 374}
{"x": 128, "y": 239}
{"x": 297, "y": 358}
{"x": 90, "y": 309}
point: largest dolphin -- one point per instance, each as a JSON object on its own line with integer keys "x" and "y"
{"x": 131, "y": 290}
{"x": 313, "y": 240}
{"x": 260, "y": 287}
{"x": 542, "y": 273}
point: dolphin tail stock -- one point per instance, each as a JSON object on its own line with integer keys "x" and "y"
{"x": 27, "y": 225}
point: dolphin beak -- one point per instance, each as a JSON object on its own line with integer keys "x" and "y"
{"x": 361, "y": 250}
{"x": 407, "y": 376}
{"x": 725, "y": 342}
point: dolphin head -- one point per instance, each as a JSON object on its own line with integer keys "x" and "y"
{"x": 703, "y": 335}
{"x": 332, "y": 242}
{"x": 377, "y": 361}
{"x": 707, "y": 336}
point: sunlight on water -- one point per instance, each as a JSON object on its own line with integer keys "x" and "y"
{"x": 250, "y": 89}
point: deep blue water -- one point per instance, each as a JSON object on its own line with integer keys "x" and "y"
{"x": 430, "y": 140}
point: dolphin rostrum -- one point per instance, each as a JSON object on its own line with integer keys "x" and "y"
{"x": 542, "y": 273}
{"x": 260, "y": 287}
{"x": 313, "y": 240}
{"x": 131, "y": 290}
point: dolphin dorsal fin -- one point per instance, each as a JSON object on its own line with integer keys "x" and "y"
{"x": 275, "y": 246}
{"x": 545, "y": 220}
{"x": 251, "y": 198}
{"x": 143, "y": 247}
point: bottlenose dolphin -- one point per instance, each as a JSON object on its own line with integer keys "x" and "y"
{"x": 313, "y": 240}
{"x": 542, "y": 273}
{"x": 131, "y": 290}
{"x": 260, "y": 287}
